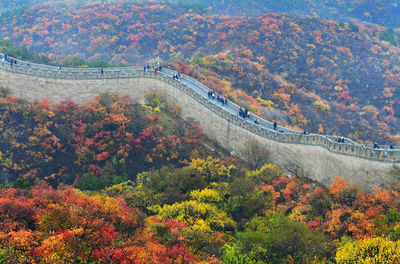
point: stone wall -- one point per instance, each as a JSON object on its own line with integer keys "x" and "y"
{"x": 318, "y": 157}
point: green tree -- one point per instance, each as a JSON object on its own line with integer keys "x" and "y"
{"x": 154, "y": 188}
{"x": 22, "y": 53}
{"x": 275, "y": 238}
{"x": 91, "y": 182}
{"x": 21, "y": 183}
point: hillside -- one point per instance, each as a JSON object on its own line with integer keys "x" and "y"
{"x": 106, "y": 141}
{"x": 318, "y": 75}
{"x": 385, "y": 12}
{"x": 160, "y": 197}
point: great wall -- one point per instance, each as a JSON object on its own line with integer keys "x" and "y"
{"x": 318, "y": 157}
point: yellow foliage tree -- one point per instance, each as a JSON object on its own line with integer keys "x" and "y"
{"x": 211, "y": 168}
{"x": 376, "y": 250}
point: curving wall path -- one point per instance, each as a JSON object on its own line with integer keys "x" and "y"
{"x": 317, "y": 157}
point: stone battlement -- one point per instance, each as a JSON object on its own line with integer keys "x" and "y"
{"x": 290, "y": 148}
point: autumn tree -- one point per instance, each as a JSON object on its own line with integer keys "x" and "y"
{"x": 371, "y": 250}
{"x": 255, "y": 154}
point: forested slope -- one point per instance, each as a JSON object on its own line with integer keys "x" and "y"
{"x": 158, "y": 196}
{"x": 385, "y": 12}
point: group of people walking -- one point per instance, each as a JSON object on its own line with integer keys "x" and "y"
{"x": 340, "y": 140}
{"x": 8, "y": 59}
{"x": 243, "y": 113}
{"x": 220, "y": 99}
{"x": 177, "y": 76}
{"x": 147, "y": 68}
{"x": 374, "y": 146}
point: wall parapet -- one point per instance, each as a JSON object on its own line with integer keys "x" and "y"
{"x": 196, "y": 90}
